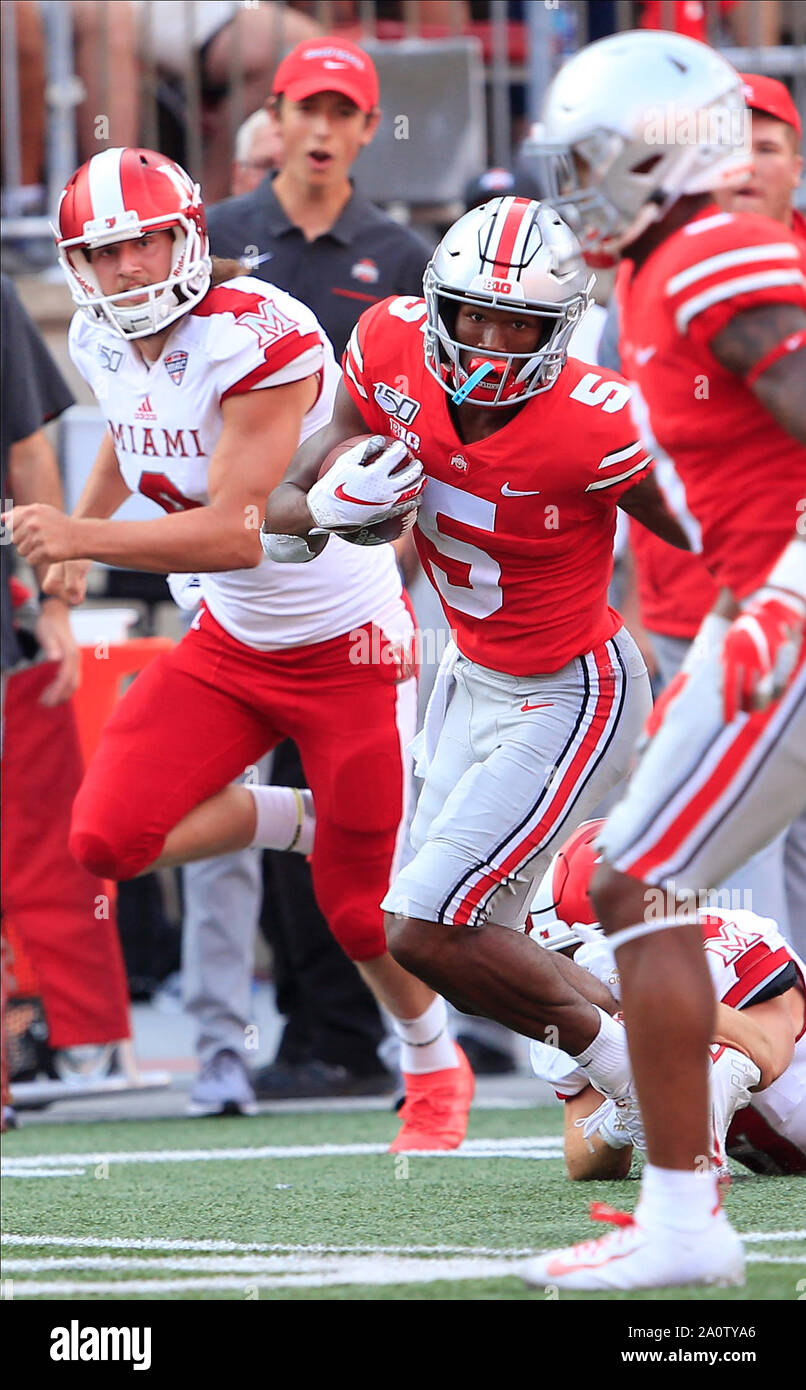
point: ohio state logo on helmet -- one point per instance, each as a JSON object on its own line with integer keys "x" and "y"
{"x": 512, "y": 254}
{"x": 120, "y": 195}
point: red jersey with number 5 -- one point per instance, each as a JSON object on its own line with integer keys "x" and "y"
{"x": 515, "y": 532}
{"x": 744, "y": 476}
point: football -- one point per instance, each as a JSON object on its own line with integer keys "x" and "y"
{"x": 381, "y": 532}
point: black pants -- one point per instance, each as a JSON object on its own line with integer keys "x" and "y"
{"x": 330, "y": 1014}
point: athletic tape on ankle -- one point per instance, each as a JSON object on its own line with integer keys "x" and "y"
{"x": 621, "y": 938}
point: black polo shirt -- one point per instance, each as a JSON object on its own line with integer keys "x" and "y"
{"x": 363, "y": 258}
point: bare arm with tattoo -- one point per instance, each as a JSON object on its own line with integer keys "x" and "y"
{"x": 747, "y": 339}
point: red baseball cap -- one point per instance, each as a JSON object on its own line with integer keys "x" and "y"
{"x": 772, "y": 98}
{"x": 328, "y": 65}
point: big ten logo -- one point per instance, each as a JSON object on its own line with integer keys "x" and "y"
{"x": 496, "y": 286}
{"x": 409, "y": 437}
{"x": 251, "y": 1037}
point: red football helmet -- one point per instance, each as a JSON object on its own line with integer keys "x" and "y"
{"x": 118, "y": 195}
{"x": 562, "y": 897}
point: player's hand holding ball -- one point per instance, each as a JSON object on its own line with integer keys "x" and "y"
{"x": 368, "y": 490}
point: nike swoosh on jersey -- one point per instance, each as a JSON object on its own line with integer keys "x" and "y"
{"x": 526, "y": 706}
{"x": 507, "y": 491}
{"x": 642, "y": 355}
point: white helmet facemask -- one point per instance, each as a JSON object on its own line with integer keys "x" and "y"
{"x": 514, "y": 255}
{"x": 146, "y": 310}
{"x": 630, "y": 125}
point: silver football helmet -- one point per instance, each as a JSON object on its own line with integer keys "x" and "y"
{"x": 512, "y": 254}
{"x": 632, "y": 123}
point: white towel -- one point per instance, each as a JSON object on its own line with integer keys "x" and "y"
{"x": 424, "y": 746}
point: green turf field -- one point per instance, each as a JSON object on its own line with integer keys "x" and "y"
{"x": 184, "y": 1213}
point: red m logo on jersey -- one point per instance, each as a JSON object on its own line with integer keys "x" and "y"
{"x": 267, "y": 322}
{"x": 726, "y": 939}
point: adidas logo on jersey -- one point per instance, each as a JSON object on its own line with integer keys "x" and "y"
{"x": 145, "y": 410}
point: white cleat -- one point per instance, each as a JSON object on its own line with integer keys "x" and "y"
{"x": 731, "y": 1077}
{"x": 634, "y": 1258}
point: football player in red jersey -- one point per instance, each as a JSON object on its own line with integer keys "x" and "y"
{"x": 638, "y": 131}
{"x": 209, "y": 379}
{"x": 538, "y": 701}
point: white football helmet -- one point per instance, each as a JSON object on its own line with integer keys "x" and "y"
{"x": 120, "y": 195}
{"x": 632, "y": 123}
{"x": 511, "y": 254}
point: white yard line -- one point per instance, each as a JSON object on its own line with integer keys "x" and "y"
{"x": 278, "y": 1265}
{"x": 253, "y": 1247}
{"x": 374, "y": 1271}
{"x": 529, "y": 1147}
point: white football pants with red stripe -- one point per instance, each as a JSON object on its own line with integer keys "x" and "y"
{"x": 707, "y": 795}
{"x": 512, "y": 764}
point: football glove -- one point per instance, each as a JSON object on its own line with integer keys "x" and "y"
{"x": 359, "y": 493}
{"x": 760, "y": 652}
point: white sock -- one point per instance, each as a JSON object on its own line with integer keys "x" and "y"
{"x": 285, "y": 818}
{"x": 681, "y": 1199}
{"x": 425, "y": 1043}
{"x": 606, "y": 1061}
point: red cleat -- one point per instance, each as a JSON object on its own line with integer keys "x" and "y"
{"x": 436, "y": 1109}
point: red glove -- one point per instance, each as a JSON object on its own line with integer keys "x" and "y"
{"x": 759, "y": 653}
{"x": 659, "y": 710}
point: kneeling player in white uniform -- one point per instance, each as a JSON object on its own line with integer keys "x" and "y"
{"x": 759, "y": 983}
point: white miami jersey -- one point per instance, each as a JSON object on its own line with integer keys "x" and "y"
{"x": 165, "y": 421}
{"x": 745, "y": 954}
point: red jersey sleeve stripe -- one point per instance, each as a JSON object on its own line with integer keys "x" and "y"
{"x": 292, "y": 346}
{"x": 348, "y": 371}
{"x": 728, "y": 289}
{"x": 727, "y": 260}
{"x": 762, "y": 973}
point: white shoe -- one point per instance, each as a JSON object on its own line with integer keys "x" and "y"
{"x": 731, "y": 1077}
{"x": 618, "y": 1121}
{"x": 634, "y": 1258}
{"x": 223, "y": 1087}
